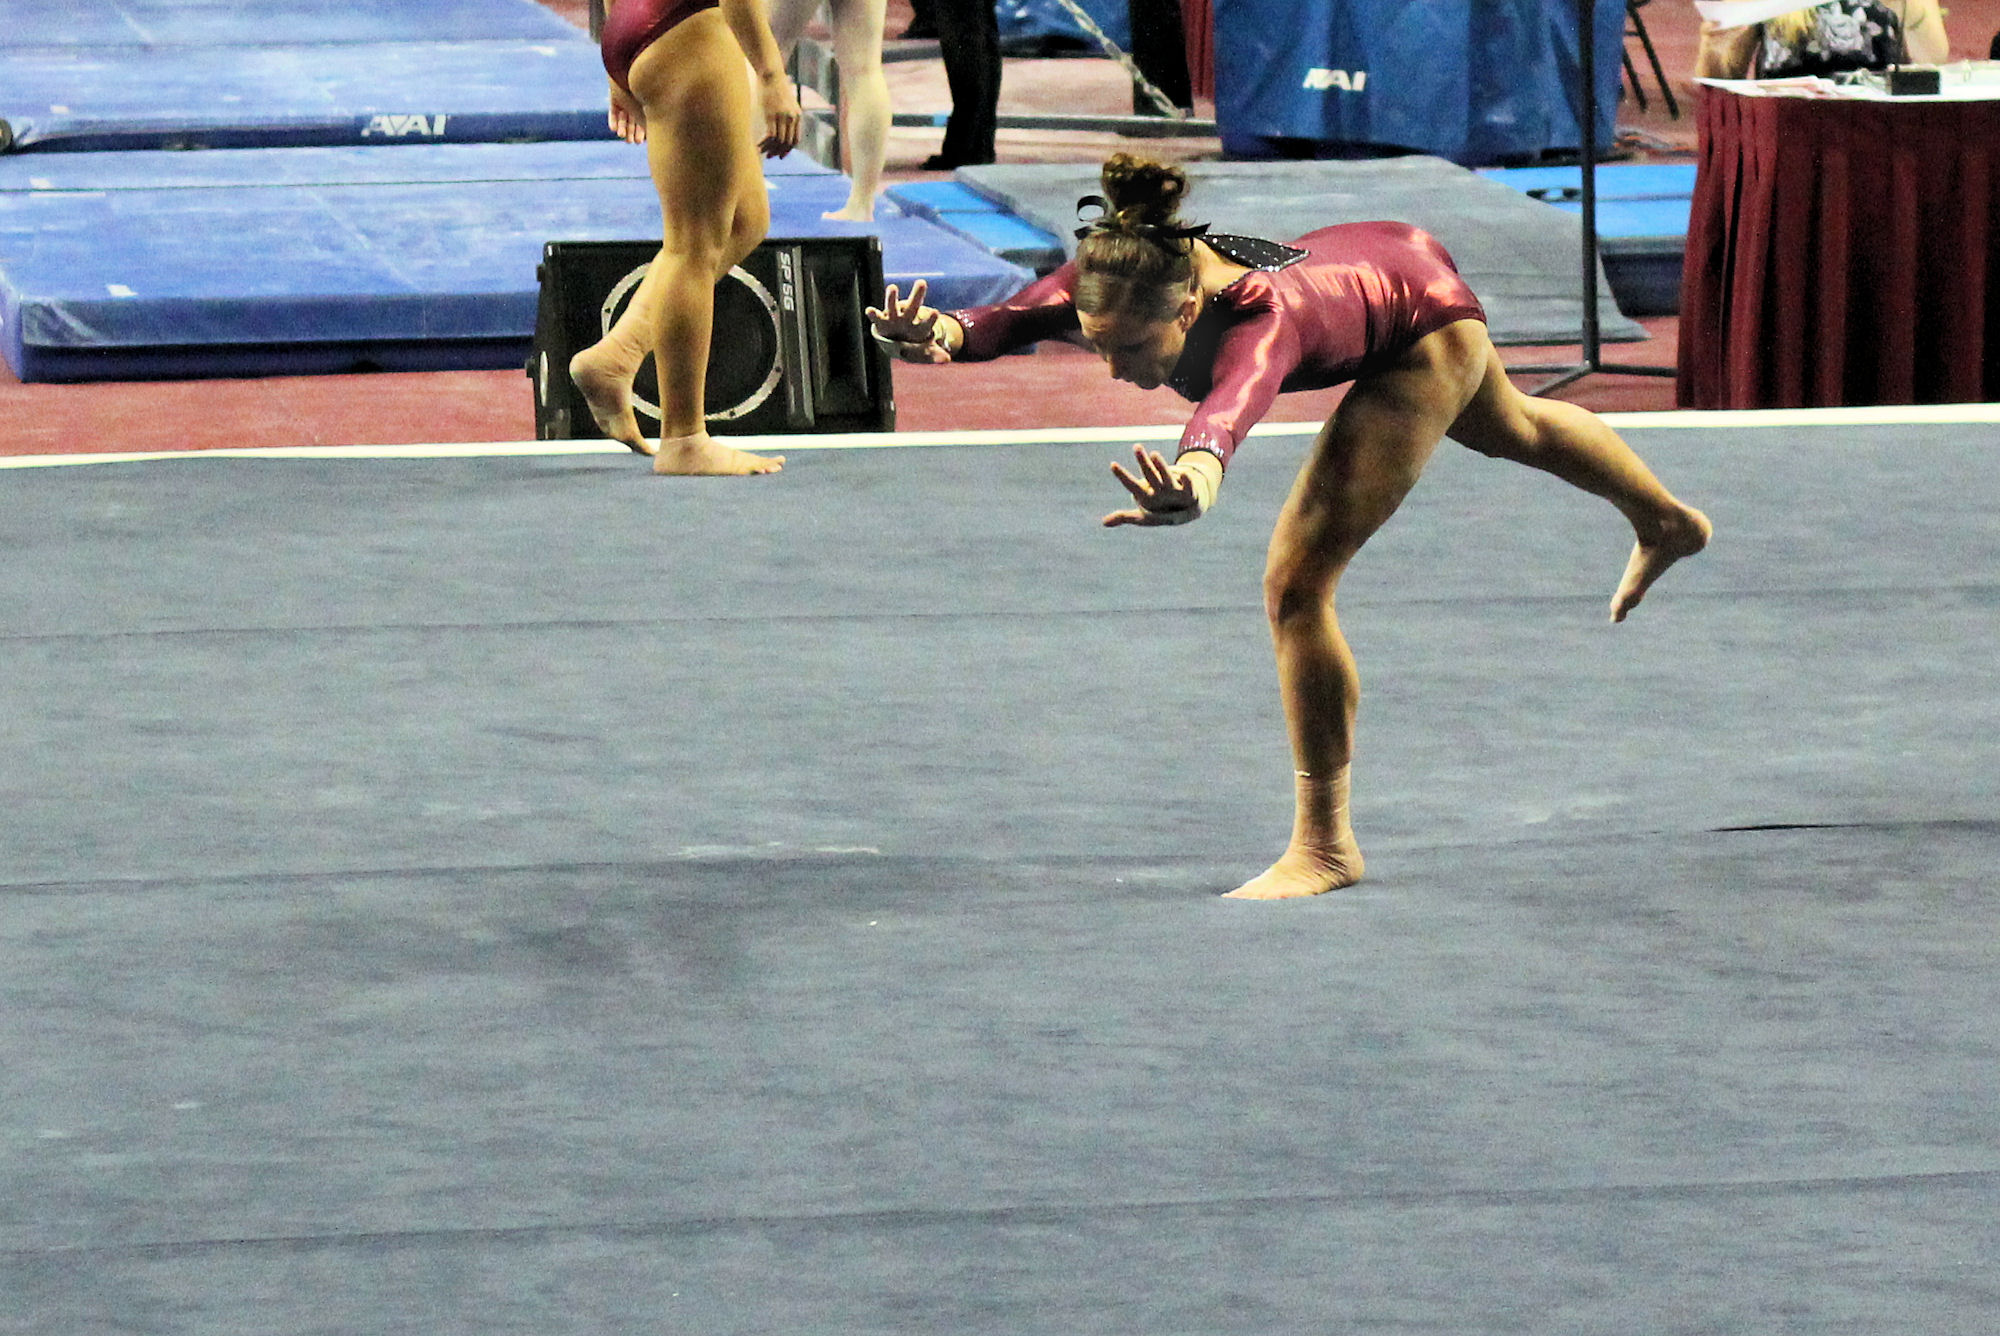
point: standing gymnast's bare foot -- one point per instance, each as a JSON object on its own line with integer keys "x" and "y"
{"x": 1680, "y": 535}
{"x": 1322, "y": 855}
{"x": 700, "y": 456}
{"x": 1303, "y": 872}
{"x": 607, "y": 389}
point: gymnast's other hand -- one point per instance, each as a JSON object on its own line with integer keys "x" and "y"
{"x": 1178, "y": 493}
{"x": 781, "y": 115}
{"x": 628, "y": 119}
{"x": 911, "y": 330}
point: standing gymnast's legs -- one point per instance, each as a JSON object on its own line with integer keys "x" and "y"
{"x": 864, "y": 90}
{"x": 688, "y": 100}
{"x": 1366, "y": 459}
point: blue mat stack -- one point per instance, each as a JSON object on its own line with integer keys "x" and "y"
{"x": 136, "y": 74}
{"x": 395, "y": 168}
{"x": 1642, "y": 220}
{"x": 981, "y": 220}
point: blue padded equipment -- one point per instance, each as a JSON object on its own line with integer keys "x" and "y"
{"x": 141, "y": 265}
{"x": 1642, "y": 222}
{"x": 1474, "y": 83}
{"x": 1025, "y": 21}
{"x": 435, "y": 164}
{"x": 981, "y": 220}
{"x": 94, "y": 25}
{"x": 375, "y": 93}
{"x": 1617, "y": 180}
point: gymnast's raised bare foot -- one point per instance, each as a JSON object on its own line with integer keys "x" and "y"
{"x": 607, "y": 388}
{"x": 698, "y": 455}
{"x": 1681, "y": 535}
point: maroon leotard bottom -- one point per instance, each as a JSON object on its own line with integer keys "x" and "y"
{"x": 634, "y": 25}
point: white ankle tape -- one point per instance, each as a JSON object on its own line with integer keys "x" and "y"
{"x": 1322, "y": 813}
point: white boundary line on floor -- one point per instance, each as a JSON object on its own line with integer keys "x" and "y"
{"x": 1919, "y": 415}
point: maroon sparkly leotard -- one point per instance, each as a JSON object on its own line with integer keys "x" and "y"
{"x": 1340, "y": 303}
{"x": 634, "y": 25}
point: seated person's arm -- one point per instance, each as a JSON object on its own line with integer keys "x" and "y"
{"x": 1923, "y": 32}
{"x": 1725, "y": 53}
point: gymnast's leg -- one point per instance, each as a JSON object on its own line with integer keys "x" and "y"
{"x": 864, "y": 96}
{"x": 1368, "y": 456}
{"x": 693, "y": 91}
{"x": 1577, "y": 446}
{"x": 603, "y": 372}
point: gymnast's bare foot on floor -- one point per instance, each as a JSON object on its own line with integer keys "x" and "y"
{"x": 1682, "y": 536}
{"x": 608, "y": 391}
{"x": 1303, "y": 872}
{"x": 698, "y": 455}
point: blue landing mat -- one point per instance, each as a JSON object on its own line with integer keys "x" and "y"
{"x": 1642, "y": 220}
{"x": 980, "y": 220}
{"x": 143, "y": 265}
{"x": 1615, "y": 181}
{"x": 433, "y": 164}
{"x": 96, "y": 24}
{"x": 286, "y": 96}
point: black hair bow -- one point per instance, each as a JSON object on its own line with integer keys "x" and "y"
{"x": 1150, "y": 231}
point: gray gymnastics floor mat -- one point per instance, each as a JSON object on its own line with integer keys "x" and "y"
{"x": 529, "y": 896}
{"x": 1523, "y": 257}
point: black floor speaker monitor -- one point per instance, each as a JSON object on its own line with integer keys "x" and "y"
{"x": 791, "y": 350}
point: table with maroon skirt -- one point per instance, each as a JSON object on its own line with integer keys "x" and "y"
{"x": 1842, "y": 251}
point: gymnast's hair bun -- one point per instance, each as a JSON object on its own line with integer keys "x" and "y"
{"x": 1140, "y": 191}
{"x": 1137, "y": 257}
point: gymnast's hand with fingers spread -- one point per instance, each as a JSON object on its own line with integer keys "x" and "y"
{"x": 1177, "y": 493}
{"x": 912, "y": 330}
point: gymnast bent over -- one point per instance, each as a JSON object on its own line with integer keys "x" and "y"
{"x": 1230, "y": 322}
{"x": 678, "y": 86}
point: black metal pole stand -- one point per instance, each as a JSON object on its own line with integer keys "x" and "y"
{"x": 1593, "y": 359}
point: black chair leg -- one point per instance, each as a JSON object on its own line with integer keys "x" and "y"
{"x": 1646, "y": 41}
{"x": 1638, "y": 89}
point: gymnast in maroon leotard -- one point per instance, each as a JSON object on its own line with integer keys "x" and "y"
{"x": 677, "y": 86}
{"x": 634, "y": 25}
{"x": 1327, "y": 309}
{"x": 1230, "y": 323}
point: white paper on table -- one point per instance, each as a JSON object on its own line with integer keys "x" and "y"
{"x": 1805, "y": 85}
{"x": 1742, "y": 13}
{"x": 1968, "y": 81}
